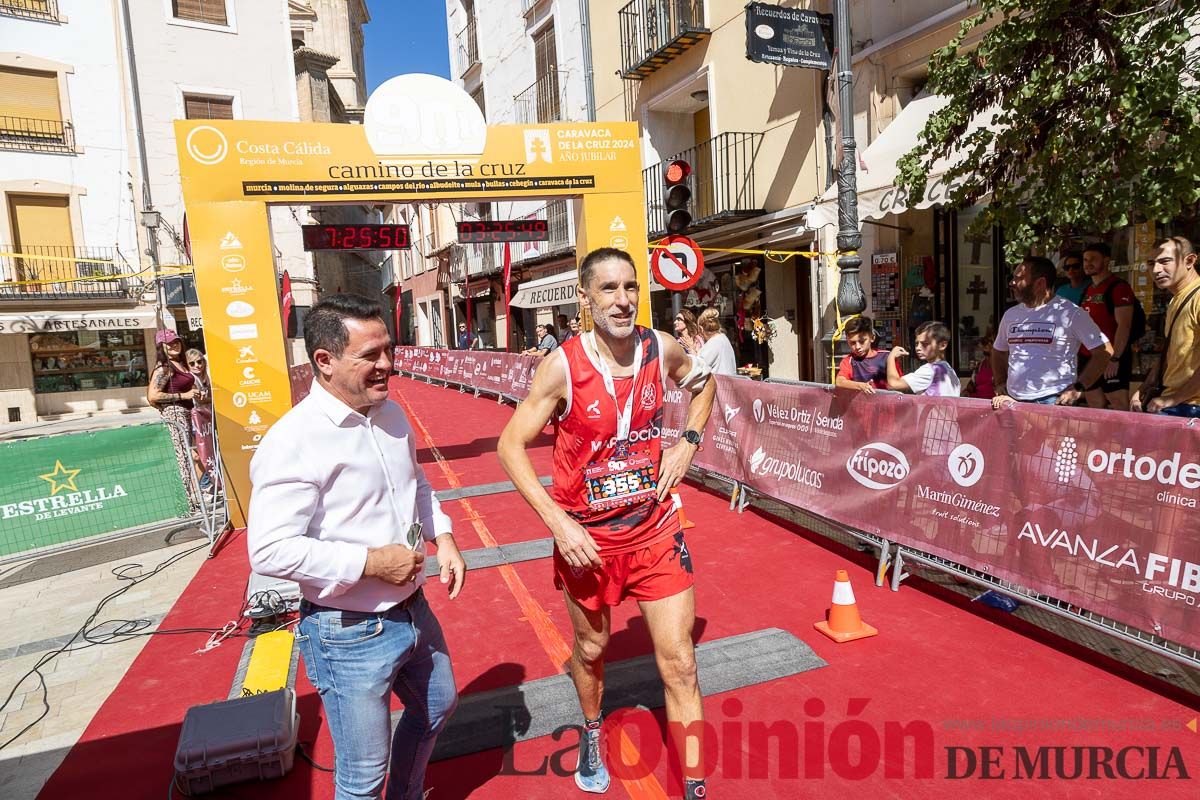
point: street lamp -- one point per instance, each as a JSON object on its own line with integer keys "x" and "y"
{"x": 851, "y": 299}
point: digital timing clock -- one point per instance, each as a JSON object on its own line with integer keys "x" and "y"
{"x": 489, "y": 231}
{"x": 355, "y": 237}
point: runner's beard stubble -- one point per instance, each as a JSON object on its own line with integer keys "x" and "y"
{"x": 614, "y": 330}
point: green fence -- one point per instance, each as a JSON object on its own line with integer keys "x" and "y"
{"x": 59, "y": 489}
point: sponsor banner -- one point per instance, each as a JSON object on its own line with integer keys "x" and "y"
{"x": 58, "y": 489}
{"x": 502, "y": 373}
{"x": 1067, "y": 502}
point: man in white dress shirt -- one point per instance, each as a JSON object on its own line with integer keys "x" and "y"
{"x": 341, "y": 506}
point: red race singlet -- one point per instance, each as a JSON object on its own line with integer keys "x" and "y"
{"x": 601, "y": 480}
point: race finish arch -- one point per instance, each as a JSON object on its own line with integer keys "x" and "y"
{"x": 423, "y": 139}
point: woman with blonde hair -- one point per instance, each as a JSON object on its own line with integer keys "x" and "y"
{"x": 717, "y": 351}
{"x": 687, "y": 332}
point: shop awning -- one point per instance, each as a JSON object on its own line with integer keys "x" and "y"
{"x": 878, "y": 195}
{"x": 63, "y": 321}
{"x": 553, "y": 290}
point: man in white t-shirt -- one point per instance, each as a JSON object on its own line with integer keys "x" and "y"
{"x": 935, "y": 377}
{"x": 1034, "y": 356}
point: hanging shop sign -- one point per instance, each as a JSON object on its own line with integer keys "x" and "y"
{"x": 678, "y": 264}
{"x": 789, "y": 37}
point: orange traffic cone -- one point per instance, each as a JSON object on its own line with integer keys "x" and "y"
{"x": 684, "y": 522}
{"x": 844, "y": 624}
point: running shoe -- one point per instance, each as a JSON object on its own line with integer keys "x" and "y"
{"x": 590, "y": 773}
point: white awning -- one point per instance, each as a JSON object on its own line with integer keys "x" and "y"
{"x": 63, "y": 321}
{"x": 878, "y": 194}
{"x": 553, "y": 290}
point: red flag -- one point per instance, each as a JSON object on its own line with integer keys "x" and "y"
{"x": 287, "y": 300}
{"x": 507, "y": 297}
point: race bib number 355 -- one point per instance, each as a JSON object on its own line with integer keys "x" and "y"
{"x": 619, "y": 482}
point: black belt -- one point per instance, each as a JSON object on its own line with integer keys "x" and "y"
{"x": 308, "y": 607}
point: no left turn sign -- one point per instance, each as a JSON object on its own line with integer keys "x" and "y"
{"x": 678, "y": 263}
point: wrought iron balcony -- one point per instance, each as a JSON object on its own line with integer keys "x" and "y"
{"x": 36, "y": 135}
{"x": 655, "y": 31}
{"x": 468, "y": 48}
{"x": 544, "y": 101}
{"x": 46, "y": 10}
{"x": 556, "y": 214}
{"x": 722, "y": 182}
{"x": 65, "y": 273}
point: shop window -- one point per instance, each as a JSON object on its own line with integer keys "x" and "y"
{"x": 977, "y": 285}
{"x": 205, "y": 107}
{"x": 210, "y": 12}
{"x": 81, "y": 361}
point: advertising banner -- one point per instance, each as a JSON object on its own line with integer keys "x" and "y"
{"x": 1067, "y": 502}
{"x": 59, "y": 489}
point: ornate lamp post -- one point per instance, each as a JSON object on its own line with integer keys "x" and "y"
{"x": 850, "y": 297}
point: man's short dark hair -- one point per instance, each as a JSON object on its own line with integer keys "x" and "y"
{"x": 1041, "y": 267}
{"x": 1099, "y": 247}
{"x": 325, "y": 323}
{"x": 588, "y": 265}
{"x": 936, "y": 330}
{"x": 859, "y": 325}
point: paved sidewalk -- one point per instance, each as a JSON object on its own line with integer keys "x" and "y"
{"x": 39, "y": 616}
{"x": 98, "y": 421}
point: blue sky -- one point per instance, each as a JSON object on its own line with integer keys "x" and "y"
{"x": 405, "y": 36}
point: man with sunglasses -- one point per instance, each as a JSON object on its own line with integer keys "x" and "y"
{"x": 1076, "y": 281}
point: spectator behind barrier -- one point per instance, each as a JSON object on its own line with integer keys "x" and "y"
{"x": 935, "y": 377}
{"x": 865, "y": 369}
{"x": 1110, "y": 302}
{"x": 1034, "y": 355}
{"x": 1075, "y": 282}
{"x": 546, "y": 341}
{"x": 981, "y": 384}
{"x": 1173, "y": 386}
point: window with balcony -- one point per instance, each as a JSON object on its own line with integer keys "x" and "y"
{"x": 542, "y": 101}
{"x": 722, "y": 182}
{"x": 653, "y": 32}
{"x": 31, "y": 113}
{"x": 197, "y": 106}
{"x": 43, "y": 260}
{"x": 46, "y": 10}
{"x": 468, "y": 41}
{"x": 209, "y": 12}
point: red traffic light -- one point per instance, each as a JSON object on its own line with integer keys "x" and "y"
{"x": 677, "y": 172}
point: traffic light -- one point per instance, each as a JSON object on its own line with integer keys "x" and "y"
{"x": 677, "y": 196}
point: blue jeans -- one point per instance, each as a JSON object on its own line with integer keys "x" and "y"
{"x": 1048, "y": 400}
{"x": 354, "y": 660}
{"x": 1182, "y": 410}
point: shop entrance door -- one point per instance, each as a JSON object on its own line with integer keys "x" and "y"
{"x": 972, "y": 286}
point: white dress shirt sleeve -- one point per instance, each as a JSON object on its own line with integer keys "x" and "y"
{"x": 281, "y": 508}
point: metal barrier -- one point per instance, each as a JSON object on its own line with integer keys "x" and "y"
{"x": 62, "y": 491}
{"x": 897, "y": 556}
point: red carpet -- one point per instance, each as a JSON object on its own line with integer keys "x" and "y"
{"x": 965, "y": 675}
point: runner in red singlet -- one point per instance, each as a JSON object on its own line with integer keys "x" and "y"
{"x": 615, "y": 530}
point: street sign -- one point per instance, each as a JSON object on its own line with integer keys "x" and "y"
{"x": 678, "y": 264}
{"x": 789, "y": 37}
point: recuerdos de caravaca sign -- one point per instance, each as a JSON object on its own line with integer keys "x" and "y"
{"x": 789, "y": 37}
{"x": 355, "y": 237}
{"x": 488, "y": 231}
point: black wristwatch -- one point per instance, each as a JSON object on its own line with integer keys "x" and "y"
{"x": 691, "y": 437}
{"x": 1079, "y": 387}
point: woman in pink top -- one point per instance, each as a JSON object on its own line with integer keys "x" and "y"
{"x": 687, "y": 332}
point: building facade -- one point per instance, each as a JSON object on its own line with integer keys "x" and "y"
{"x": 94, "y": 244}
{"x": 76, "y": 332}
{"x": 524, "y": 63}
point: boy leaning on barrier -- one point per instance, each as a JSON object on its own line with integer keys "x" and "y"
{"x": 865, "y": 369}
{"x": 935, "y": 377}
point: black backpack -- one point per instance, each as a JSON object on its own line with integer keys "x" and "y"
{"x": 1136, "y": 330}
